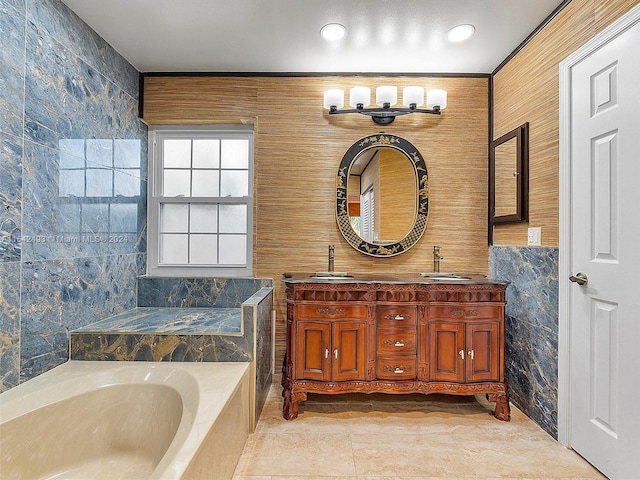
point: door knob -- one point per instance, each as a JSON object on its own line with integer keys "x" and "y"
{"x": 579, "y": 278}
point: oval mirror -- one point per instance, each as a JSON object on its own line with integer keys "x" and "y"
{"x": 382, "y": 195}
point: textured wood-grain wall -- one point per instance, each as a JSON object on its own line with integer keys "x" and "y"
{"x": 527, "y": 90}
{"x": 298, "y": 147}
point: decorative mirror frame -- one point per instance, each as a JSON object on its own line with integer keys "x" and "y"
{"x": 521, "y": 134}
{"x": 422, "y": 207}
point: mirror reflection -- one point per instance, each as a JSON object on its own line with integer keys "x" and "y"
{"x": 382, "y": 195}
{"x": 506, "y": 158}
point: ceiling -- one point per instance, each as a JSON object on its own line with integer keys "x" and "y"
{"x": 280, "y": 36}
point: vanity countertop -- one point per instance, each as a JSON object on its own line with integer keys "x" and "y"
{"x": 388, "y": 278}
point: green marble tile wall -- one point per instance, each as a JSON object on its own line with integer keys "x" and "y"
{"x": 72, "y": 184}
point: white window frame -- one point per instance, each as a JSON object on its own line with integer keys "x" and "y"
{"x": 156, "y": 135}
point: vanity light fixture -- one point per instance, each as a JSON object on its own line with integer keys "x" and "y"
{"x": 386, "y": 97}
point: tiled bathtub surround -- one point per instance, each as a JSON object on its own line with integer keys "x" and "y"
{"x": 167, "y": 334}
{"x": 260, "y": 306}
{"x": 241, "y": 332}
{"x": 61, "y": 295}
{"x": 72, "y": 184}
{"x": 171, "y": 320}
{"x": 531, "y": 325}
{"x": 197, "y": 292}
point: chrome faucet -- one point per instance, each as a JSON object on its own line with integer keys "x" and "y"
{"x": 331, "y": 257}
{"x": 436, "y": 258}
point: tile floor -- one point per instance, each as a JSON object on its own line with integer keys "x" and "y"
{"x": 376, "y": 437}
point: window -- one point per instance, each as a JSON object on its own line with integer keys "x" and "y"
{"x": 368, "y": 232}
{"x": 200, "y": 201}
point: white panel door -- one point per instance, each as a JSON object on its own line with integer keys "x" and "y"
{"x": 604, "y": 319}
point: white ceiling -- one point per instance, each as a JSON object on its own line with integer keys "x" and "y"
{"x": 384, "y": 36}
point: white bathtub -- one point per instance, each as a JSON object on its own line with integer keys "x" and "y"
{"x": 126, "y": 420}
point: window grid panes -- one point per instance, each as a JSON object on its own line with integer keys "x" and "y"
{"x": 201, "y": 196}
{"x": 205, "y": 168}
{"x": 203, "y": 234}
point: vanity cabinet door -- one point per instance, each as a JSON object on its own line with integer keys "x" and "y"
{"x": 331, "y": 351}
{"x": 313, "y": 347}
{"x": 349, "y": 359}
{"x": 464, "y": 352}
{"x": 446, "y": 352}
{"x": 483, "y": 352}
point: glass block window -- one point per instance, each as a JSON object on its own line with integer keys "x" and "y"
{"x": 200, "y": 208}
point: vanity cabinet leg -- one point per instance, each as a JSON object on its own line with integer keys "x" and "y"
{"x": 289, "y": 407}
{"x": 290, "y": 404}
{"x": 502, "y": 410}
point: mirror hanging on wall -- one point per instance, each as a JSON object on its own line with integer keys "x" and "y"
{"x": 509, "y": 177}
{"x": 382, "y": 195}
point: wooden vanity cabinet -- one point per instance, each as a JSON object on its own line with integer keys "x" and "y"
{"x": 394, "y": 338}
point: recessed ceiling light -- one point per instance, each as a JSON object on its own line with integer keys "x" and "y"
{"x": 461, "y": 33}
{"x": 333, "y": 31}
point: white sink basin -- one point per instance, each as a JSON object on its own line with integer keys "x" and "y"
{"x": 331, "y": 275}
{"x": 444, "y": 276}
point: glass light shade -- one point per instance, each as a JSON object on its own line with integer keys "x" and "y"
{"x": 360, "y": 95}
{"x": 437, "y": 98}
{"x": 413, "y": 95}
{"x": 334, "y": 98}
{"x": 386, "y": 94}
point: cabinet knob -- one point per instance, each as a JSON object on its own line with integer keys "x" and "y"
{"x": 461, "y": 353}
{"x": 399, "y": 344}
{"x": 326, "y": 353}
{"x": 398, "y": 317}
{"x": 398, "y": 370}
{"x": 335, "y": 353}
{"x": 470, "y": 353}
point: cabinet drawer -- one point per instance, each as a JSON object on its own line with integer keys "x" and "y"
{"x": 396, "y": 316}
{"x": 398, "y": 341}
{"x": 456, "y": 311}
{"x": 331, "y": 312}
{"x": 400, "y": 367}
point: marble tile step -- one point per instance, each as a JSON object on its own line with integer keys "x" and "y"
{"x": 163, "y": 334}
{"x": 170, "y": 320}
